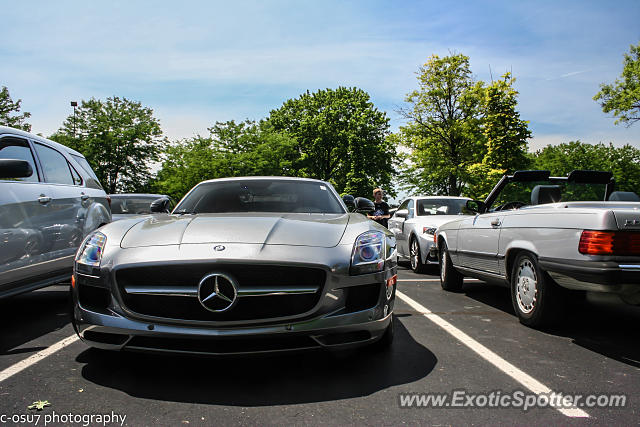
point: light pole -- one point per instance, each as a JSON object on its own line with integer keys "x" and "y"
{"x": 74, "y": 104}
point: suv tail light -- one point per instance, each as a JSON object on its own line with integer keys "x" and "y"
{"x": 609, "y": 243}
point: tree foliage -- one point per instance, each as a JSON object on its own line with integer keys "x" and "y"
{"x": 9, "y": 112}
{"x": 120, "y": 138}
{"x": 341, "y": 138}
{"x": 443, "y": 131}
{"x": 505, "y": 132}
{"x": 461, "y": 133}
{"x": 231, "y": 149}
{"x": 623, "y": 162}
{"x": 505, "y": 137}
{"x": 623, "y": 97}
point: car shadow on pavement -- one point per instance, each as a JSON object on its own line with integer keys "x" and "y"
{"x": 288, "y": 378}
{"x": 28, "y": 316}
{"x": 598, "y": 322}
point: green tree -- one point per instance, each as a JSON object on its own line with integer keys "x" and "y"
{"x": 231, "y": 149}
{"x": 623, "y": 162}
{"x": 623, "y": 97}
{"x": 443, "y": 132}
{"x": 341, "y": 138}
{"x": 120, "y": 138}
{"x": 506, "y": 137}
{"x": 9, "y": 112}
{"x": 505, "y": 132}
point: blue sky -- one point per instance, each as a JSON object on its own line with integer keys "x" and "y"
{"x": 195, "y": 63}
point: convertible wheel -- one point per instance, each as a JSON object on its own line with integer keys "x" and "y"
{"x": 450, "y": 278}
{"x": 414, "y": 254}
{"x": 537, "y": 299}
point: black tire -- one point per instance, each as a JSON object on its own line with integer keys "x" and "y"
{"x": 450, "y": 279}
{"x": 415, "y": 259}
{"x": 385, "y": 342}
{"x": 537, "y": 300}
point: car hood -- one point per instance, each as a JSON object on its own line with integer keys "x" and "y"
{"x": 320, "y": 230}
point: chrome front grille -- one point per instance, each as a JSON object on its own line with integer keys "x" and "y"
{"x": 264, "y": 291}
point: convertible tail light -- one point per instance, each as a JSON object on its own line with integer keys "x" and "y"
{"x": 609, "y": 243}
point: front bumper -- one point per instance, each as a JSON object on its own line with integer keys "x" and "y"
{"x": 114, "y": 332}
{"x": 428, "y": 249}
{"x": 332, "y": 323}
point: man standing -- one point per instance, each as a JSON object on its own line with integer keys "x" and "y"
{"x": 381, "y": 212}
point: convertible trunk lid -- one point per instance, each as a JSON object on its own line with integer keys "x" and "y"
{"x": 626, "y": 214}
{"x": 319, "y": 230}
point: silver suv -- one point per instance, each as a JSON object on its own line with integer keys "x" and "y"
{"x": 50, "y": 199}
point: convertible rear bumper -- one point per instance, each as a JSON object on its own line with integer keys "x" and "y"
{"x": 603, "y": 276}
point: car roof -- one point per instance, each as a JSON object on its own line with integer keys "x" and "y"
{"x": 277, "y": 178}
{"x": 127, "y": 195}
{"x": 58, "y": 146}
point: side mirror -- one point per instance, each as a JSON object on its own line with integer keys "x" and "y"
{"x": 476, "y": 206}
{"x": 402, "y": 213}
{"x": 160, "y": 205}
{"x": 13, "y": 168}
{"x": 350, "y": 201}
{"x": 364, "y": 205}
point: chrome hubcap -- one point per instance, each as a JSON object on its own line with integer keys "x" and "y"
{"x": 527, "y": 286}
{"x": 443, "y": 266}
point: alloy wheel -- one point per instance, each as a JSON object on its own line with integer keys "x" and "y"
{"x": 527, "y": 286}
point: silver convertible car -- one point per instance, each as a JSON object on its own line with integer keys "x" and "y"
{"x": 547, "y": 237}
{"x": 241, "y": 265}
{"x": 415, "y": 222}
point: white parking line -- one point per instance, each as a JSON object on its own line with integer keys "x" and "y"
{"x": 523, "y": 378}
{"x": 35, "y": 358}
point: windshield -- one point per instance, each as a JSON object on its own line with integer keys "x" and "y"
{"x": 442, "y": 207}
{"x": 131, "y": 205}
{"x": 253, "y": 195}
{"x": 551, "y": 191}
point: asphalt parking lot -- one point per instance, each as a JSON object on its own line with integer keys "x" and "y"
{"x": 469, "y": 342}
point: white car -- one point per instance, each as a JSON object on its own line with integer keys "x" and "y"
{"x": 415, "y": 222}
{"x": 544, "y": 237}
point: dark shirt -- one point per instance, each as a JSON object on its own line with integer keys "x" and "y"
{"x": 382, "y": 208}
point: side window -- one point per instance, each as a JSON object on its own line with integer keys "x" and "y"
{"x": 92, "y": 179}
{"x": 55, "y": 166}
{"x": 411, "y": 209}
{"x": 77, "y": 179}
{"x": 17, "y": 148}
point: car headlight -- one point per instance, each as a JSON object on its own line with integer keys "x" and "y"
{"x": 91, "y": 250}
{"x": 368, "y": 253}
{"x": 429, "y": 230}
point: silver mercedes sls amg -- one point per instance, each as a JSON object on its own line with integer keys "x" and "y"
{"x": 241, "y": 265}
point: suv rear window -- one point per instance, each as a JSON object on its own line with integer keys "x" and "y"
{"x": 95, "y": 182}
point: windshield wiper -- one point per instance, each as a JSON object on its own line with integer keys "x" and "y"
{"x": 184, "y": 212}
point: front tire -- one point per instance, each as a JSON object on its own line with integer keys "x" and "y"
{"x": 450, "y": 279}
{"x": 537, "y": 300}
{"x": 415, "y": 257}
